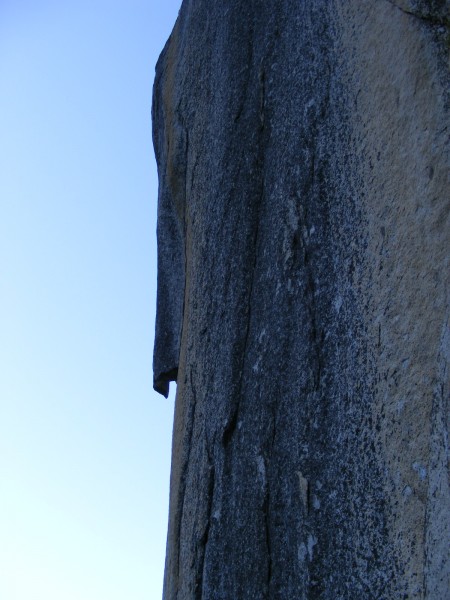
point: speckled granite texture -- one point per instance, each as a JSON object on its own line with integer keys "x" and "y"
{"x": 303, "y": 274}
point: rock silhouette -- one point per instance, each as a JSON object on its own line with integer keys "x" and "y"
{"x": 303, "y": 269}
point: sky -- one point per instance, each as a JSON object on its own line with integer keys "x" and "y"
{"x": 84, "y": 440}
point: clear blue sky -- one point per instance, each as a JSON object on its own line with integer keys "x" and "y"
{"x": 84, "y": 440}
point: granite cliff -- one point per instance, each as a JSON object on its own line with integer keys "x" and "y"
{"x": 303, "y": 238}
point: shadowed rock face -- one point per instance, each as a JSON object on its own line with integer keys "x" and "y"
{"x": 303, "y": 239}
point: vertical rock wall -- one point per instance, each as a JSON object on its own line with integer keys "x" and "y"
{"x": 303, "y": 239}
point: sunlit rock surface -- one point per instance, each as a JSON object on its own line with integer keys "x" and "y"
{"x": 303, "y": 238}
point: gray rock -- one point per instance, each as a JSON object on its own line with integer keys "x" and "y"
{"x": 303, "y": 239}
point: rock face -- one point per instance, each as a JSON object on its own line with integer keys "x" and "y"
{"x": 302, "y": 304}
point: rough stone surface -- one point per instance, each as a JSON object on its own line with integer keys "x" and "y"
{"x": 303, "y": 238}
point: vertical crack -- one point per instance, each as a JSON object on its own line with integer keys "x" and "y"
{"x": 266, "y": 511}
{"x": 316, "y": 336}
{"x": 231, "y": 425}
{"x": 183, "y": 478}
{"x": 200, "y": 574}
{"x": 266, "y": 508}
{"x": 262, "y": 97}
